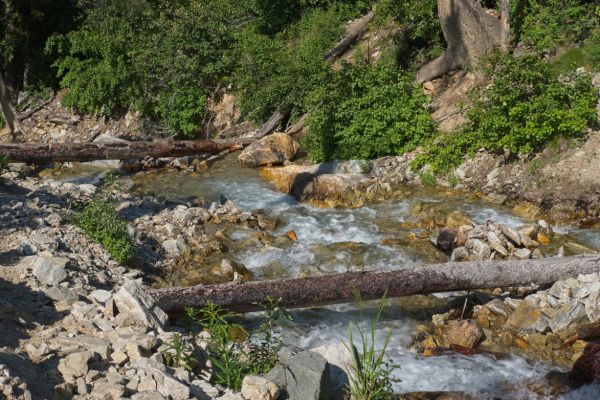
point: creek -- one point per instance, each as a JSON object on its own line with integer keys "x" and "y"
{"x": 370, "y": 237}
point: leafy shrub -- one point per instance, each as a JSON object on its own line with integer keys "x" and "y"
{"x": 528, "y": 105}
{"x": 286, "y": 68}
{"x": 232, "y": 356}
{"x": 545, "y": 24}
{"x": 100, "y": 222}
{"x": 366, "y": 111}
{"x": 420, "y": 38}
{"x": 428, "y": 179}
{"x": 178, "y": 353}
{"x": 372, "y": 370}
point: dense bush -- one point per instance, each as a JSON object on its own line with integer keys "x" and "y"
{"x": 366, "y": 111}
{"x": 286, "y": 68}
{"x": 528, "y": 105}
{"x": 100, "y": 222}
{"x": 545, "y": 24}
{"x": 163, "y": 58}
{"x": 420, "y": 38}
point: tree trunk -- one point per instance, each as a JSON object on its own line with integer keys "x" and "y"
{"x": 8, "y": 112}
{"x": 352, "y": 34}
{"x": 505, "y": 25}
{"x": 340, "y": 288}
{"x": 36, "y": 153}
{"x": 470, "y": 32}
{"x": 271, "y": 125}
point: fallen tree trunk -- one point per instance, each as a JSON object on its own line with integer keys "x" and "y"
{"x": 352, "y": 34}
{"x": 340, "y": 288}
{"x": 39, "y": 153}
{"x": 271, "y": 125}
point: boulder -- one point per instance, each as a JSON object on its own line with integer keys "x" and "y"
{"x": 61, "y": 293}
{"x": 50, "y": 271}
{"x": 305, "y": 376}
{"x": 132, "y": 300}
{"x": 75, "y": 365}
{"x": 259, "y": 388}
{"x": 273, "y": 149}
{"x": 464, "y": 333}
{"x": 340, "y": 367}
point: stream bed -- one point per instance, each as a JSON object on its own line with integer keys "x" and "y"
{"x": 370, "y": 237}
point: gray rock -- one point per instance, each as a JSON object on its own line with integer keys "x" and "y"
{"x": 101, "y": 296}
{"x": 147, "y": 395}
{"x": 481, "y": 250}
{"x": 174, "y": 248}
{"x": 496, "y": 244}
{"x": 61, "y": 293}
{"x": 568, "y": 316}
{"x": 305, "y": 377}
{"x": 27, "y": 248}
{"x": 511, "y": 234}
{"x": 522, "y": 254}
{"x": 340, "y": 367}
{"x": 131, "y": 299}
{"x": 50, "y": 271}
{"x": 459, "y": 254}
{"x": 75, "y": 365}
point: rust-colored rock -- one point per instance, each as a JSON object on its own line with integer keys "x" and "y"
{"x": 273, "y": 149}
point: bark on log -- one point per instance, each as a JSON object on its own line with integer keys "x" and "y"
{"x": 39, "y": 153}
{"x": 269, "y": 127}
{"x": 470, "y": 32}
{"x": 354, "y": 31}
{"x": 340, "y": 288}
{"x": 298, "y": 126}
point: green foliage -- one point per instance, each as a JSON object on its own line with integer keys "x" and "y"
{"x": 372, "y": 372}
{"x": 428, "y": 179}
{"x": 420, "y": 38}
{"x": 545, "y": 24}
{"x": 586, "y": 56}
{"x": 179, "y": 353}
{"x": 366, "y": 111}
{"x": 286, "y": 68}
{"x": 3, "y": 160}
{"x": 453, "y": 180}
{"x": 232, "y": 356}
{"x": 528, "y": 105}
{"x": 161, "y": 57}
{"x": 100, "y": 222}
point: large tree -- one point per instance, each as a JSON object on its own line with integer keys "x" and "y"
{"x": 24, "y": 28}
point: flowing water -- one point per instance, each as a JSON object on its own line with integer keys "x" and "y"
{"x": 338, "y": 240}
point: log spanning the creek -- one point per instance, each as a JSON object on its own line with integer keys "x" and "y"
{"x": 340, "y": 288}
{"x": 40, "y": 153}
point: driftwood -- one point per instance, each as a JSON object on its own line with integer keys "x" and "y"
{"x": 354, "y": 31}
{"x": 38, "y": 153}
{"x": 340, "y": 288}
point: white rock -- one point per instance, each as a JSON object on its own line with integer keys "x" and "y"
{"x": 131, "y": 299}
{"x": 259, "y": 388}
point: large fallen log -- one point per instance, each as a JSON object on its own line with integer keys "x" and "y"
{"x": 39, "y": 153}
{"x": 340, "y": 288}
{"x": 354, "y": 31}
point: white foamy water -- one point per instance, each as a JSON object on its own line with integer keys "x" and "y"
{"x": 338, "y": 240}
